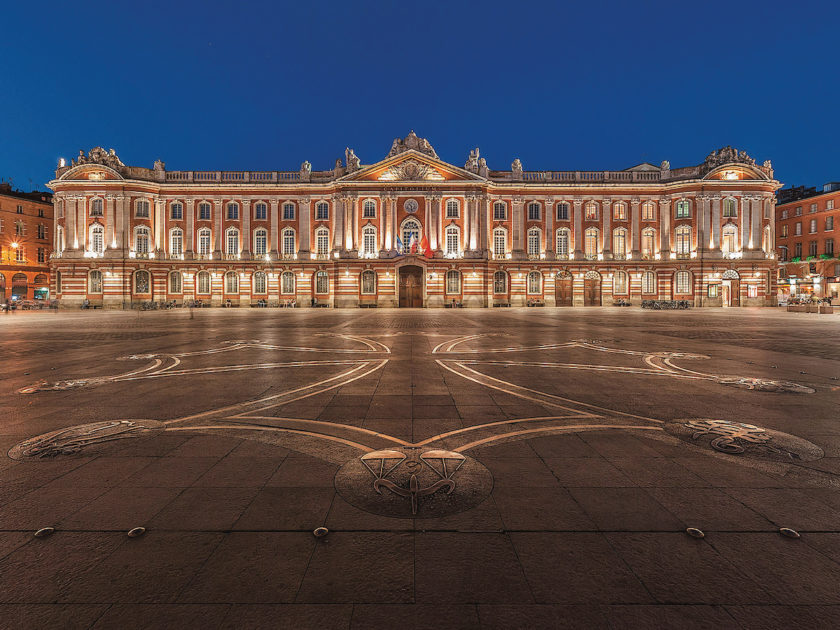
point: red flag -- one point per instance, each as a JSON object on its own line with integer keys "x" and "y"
{"x": 424, "y": 245}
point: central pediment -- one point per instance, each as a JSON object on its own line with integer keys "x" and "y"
{"x": 411, "y": 171}
{"x": 411, "y": 166}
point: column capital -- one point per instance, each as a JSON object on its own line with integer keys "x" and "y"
{"x": 304, "y": 200}
{"x": 635, "y": 201}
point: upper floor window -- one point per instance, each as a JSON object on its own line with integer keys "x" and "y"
{"x": 620, "y": 243}
{"x": 813, "y": 208}
{"x": 42, "y": 255}
{"x": 322, "y": 211}
{"x": 20, "y": 209}
{"x": 232, "y": 242}
{"x": 40, "y": 212}
{"x": 20, "y": 228}
{"x": 648, "y": 211}
{"x": 20, "y": 254}
{"x": 590, "y": 243}
{"x": 322, "y": 241}
{"x": 729, "y": 242}
{"x": 288, "y": 212}
{"x": 619, "y": 211}
{"x": 683, "y": 209}
{"x": 97, "y": 239}
{"x": 562, "y": 245}
{"x": 829, "y": 224}
{"x": 141, "y": 240}
{"x": 533, "y": 242}
{"x": 176, "y": 242}
{"x": 533, "y": 211}
{"x": 499, "y": 243}
{"x": 232, "y": 211}
{"x": 369, "y": 241}
{"x": 730, "y": 208}
{"x": 176, "y": 211}
{"x": 369, "y": 209}
{"x": 784, "y": 214}
{"x": 96, "y": 208}
{"x": 784, "y": 231}
{"x": 562, "y": 211}
{"x": 797, "y": 229}
{"x": 798, "y": 211}
{"x": 452, "y": 241}
{"x": 204, "y": 241}
{"x": 141, "y": 209}
{"x": 682, "y": 241}
{"x": 261, "y": 242}
{"x": 204, "y": 211}
{"x": 648, "y": 242}
{"x": 260, "y": 211}
{"x": 812, "y": 248}
{"x": 452, "y": 209}
{"x": 590, "y": 211}
{"x": 499, "y": 211}
{"x": 829, "y": 246}
{"x": 829, "y": 205}
{"x": 42, "y": 230}
{"x": 813, "y": 226}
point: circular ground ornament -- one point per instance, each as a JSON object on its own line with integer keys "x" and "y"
{"x": 413, "y": 483}
{"x": 83, "y": 438}
{"x": 748, "y": 440}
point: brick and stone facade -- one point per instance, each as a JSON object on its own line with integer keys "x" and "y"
{"x": 26, "y": 237}
{"x": 343, "y": 237}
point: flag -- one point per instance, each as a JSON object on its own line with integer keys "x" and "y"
{"x": 400, "y": 246}
{"x": 424, "y": 246}
{"x": 412, "y": 244}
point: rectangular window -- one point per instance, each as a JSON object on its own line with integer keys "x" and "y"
{"x": 177, "y": 211}
{"x": 752, "y": 290}
{"x": 42, "y": 255}
{"x": 813, "y": 226}
{"x": 829, "y": 224}
{"x": 713, "y": 290}
{"x": 322, "y": 282}
{"x": 648, "y": 211}
{"x": 233, "y": 212}
{"x": 812, "y": 248}
{"x": 260, "y": 242}
{"x": 204, "y": 242}
{"x": 41, "y": 212}
{"x": 322, "y": 212}
{"x": 288, "y": 212}
{"x": 19, "y": 255}
{"x": 204, "y": 212}
{"x": 499, "y": 212}
{"x": 562, "y": 212}
{"x": 176, "y": 247}
{"x": 784, "y": 214}
{"x": 620, "y": 212}
{"x": 683, "y": 282}
{"x": 797, "y": 250}
{"x": 452, "y": 242}
{"x": 452, "y": 209}
{"x": 288, "y": 243}
{"x": 797, "y": 229}
{"x": 260, "y": 212}
{"x": 813, "y": 208}
{"x": 829, "y": 246}
{"x": 784, "y": 230}
{"x": 682, "y": 209}
{"x": 829, "y": 205}
{"x": 798, "y": 211}
{"x": 499, "y": 244}
{"x": 20, "y": 209}
{"x": 590, "y": 212}
{"x": 533, "y": 212}
{"x": 142, "y": 209}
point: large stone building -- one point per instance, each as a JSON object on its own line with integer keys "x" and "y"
{"x": 809, "y": 264}
{"x": 413, "y": 230}
{"x": 26, "y": 226}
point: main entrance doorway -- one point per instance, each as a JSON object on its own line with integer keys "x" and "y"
{"x": 592, "y": 289}
{"x": 563, "y": 289}
{"x": 411, "y": 286}
{"x": 731, "y": 282}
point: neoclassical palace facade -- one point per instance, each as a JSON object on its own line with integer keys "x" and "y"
{"x": 412, "y": 230}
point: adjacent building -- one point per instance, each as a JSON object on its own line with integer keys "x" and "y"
{"x": 412, "y": 230}
{"x": 26, "y": 237}
{"x": 805, "y": 239}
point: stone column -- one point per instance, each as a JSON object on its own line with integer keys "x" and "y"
{"x": 483, "y": 231}
{"x": 665, "y": 228}
{"x": 338, "y": 223}
{"x": 385, "y": 222}
{"x": 757, "y": 214}
{"x": 81, "y": 221}
{"x": 704, "y": 242}
{"x": 217, "y": 230}
{"x": 606, "y": 230}
{"x": 109, "y": 222}
{"x": 473, "y": 232}
{"x": 189, "y": 249}
{"x": 550, "y": 211}
{"x": 744, "y": 218}
{"x": 427, "y": 213}
{"x": 714, "y": 240}
{"x": 246, "y": 229}
{"x": 121, "y": 222}
{"x": 160, "y": 240}
{"x": 437, "y": 220}
{"x": 349, "y": 224}
{"x": 395, "y": 229}
{"x": 274, "y": 227}
{"x": 518, "y": 220}
{"x": 635, "y": 229}
{"x": 304, "y": 228}
{"x": 771, "y": 202}
{"x": 577, "y": 228}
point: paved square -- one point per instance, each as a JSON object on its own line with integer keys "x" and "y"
{"x": 515, "y": 468}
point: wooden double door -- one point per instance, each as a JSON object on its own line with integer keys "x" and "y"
{"x": 411, "y": 287}
{"x": 591, "y": 292}
{"x": 563, "y": 290}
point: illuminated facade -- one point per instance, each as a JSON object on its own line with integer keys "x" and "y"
{"x": 344, "y": 237}
{"x": 26, "y": 237}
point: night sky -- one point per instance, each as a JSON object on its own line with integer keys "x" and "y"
{"x": 263, "y": 86}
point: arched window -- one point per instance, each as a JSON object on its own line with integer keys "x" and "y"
{"x": 620, "y": 211}
{"x": 233, "y": 211}
{"x": 287, "y": 283}
{"x": 562, "y": 211}
{"x": 648, "y": 282}
{"x": 499, "y": 243}
{"x": 142, "y": 282}
{"x": 619, "y": 243}
{"x": 232, "y": 242}
{"x": 730, "y": 208}
{"x": 648, "y": 242}
{"x": 231, "y": 282}
{"x": 620, "y": 283}
{"x": 562, "y": 243}
{"x": 260, "y": 282}
{"x": 534, "y": 283}
{"x": 452, "y": 241}
{"x": 176, "y": 242}
{"x": 499, "y": 211}
{"x": 500, "y": 282}
{"x": 453, "y": 282}
{"x": 410, "y": 227}
{"x": 141, "y": 240}
{"x": 261, "y": 241}
{"x": 260, "y": 211}
{"x": 322, "y": 241}
{"x": 176, "y": 211}
{"x": 682, "y": 209}
{"x": 368, "y": 282}
{"x": 322, "y": 211}
{"x": 204, "y": 209}
{"x": 369, "y": 209}
{"x": 176, "y": 284}
{"x": 97, "y": 239}
{"x": 203, "y": 282}
{"x": 682, "y": 282}
{"x": 682, "y": 240}
{"x": 57, "y": 281}
{"x": 534, "y": 211}
{"x": 729, "y": 239}
{"x": 452, "y": 207}
{"x": 288, "y": 211}
{"x": 289, "y": 242}
{"x": 590, "y": 211}
{"x": 590, "y": 243}
{"x": 534, "y": 243}
{"x": 648, "y": 211}
{"x": 96, "y": 208}
{"x": 95, "y": 281}
{"x": 322, "y": 283}
{"x": 369, "y": 241}
{"x": 204, "y": 241}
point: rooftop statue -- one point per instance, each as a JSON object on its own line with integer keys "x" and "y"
{"x": 411, "y": 142}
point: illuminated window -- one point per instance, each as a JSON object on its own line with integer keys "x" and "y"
{"x": 619, "y": 211}
{"x": 452, "y": 240}
{"x": 534, "y": 283}
{"x": 322, "y": 283}
{"x": 533, "y": 242}
{"x": 620, "y": 243}
{"x": 260, "y": 282}
{"x": 287, "y": 283}
{"x": 176, "y": 242}
{"x": 231, "y": 282}
{"x": 682, "y": 240}
{"x": 261, "y": 242}
{"x": 813, "y": 226}
{"x": 141, "y": 240}
{"x": 175, "y": 283}
{"x": 590, "y": 211}
{"x": 97, "y": 239}
{"x": 499, "y": 211}
{"x": 453, "y": 282}
{"x": 562, "y": 244}
{"x": 288, "y": 242}
{"x": 500, "y": 282}
{"x": 682, "y": 281}
{"x": 648, "y": 242}
{"x": 369, "y": 209}
{"x": 204, "y": 241}
{"x": 368, "y": 282}
{"x": 648, "y": 211}
{"x": 729, "y": 242}
{"x": 499, "y": 243}
{"x": 682, "y": 209}
{"x": 730, "y": 208}
{"x": 620, "y": 282}
{"x": 590, "y": 243}
{"x": 95, "y": 281}
{"x": 203, "y": 282}
{"x": 410, "y": 228}
{"x": 322, "y": 241}
{"x": 369, "y": 241}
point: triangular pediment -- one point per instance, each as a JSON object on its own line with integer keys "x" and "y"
{"x": 411, "y": 166}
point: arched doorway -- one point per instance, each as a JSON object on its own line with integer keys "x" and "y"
{"x": 592, "y": 289}
{"x": 411, "y": 286}
{"x": 731, "y": 288}
{"x": 2, "y": 289}
{"x": 563, "y": 287}
{"x": 19, "y": 286}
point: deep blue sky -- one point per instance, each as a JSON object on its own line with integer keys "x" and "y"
{"x": 260, "y": 85}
